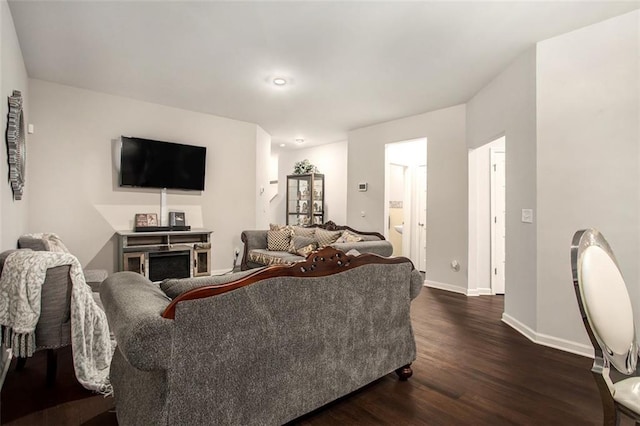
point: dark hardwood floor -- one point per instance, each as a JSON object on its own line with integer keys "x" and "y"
{"x": 471, "y": 369}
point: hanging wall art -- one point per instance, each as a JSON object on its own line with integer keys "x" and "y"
{"x": 16, "y": 149}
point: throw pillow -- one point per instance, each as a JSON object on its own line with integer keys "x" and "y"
{"x": 306, "y": 250}
{"x": 298, "y": 242}
{"x": 277, "y": 227}
{"x": 325, "y": 238}
{"x": 303, "y": 231}
{"x": 278, "y": 240}
{"x": 348, "y": 237}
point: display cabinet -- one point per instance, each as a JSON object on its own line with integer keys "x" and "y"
{"x": 305, "y": 199}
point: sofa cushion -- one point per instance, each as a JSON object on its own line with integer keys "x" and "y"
{"x": 268, "y": 257}
{"x": 379, "y": 247}
{"x": 325, "y": 238}
{"x": 174, "y": 287}
{"x": 302, "y": 231}
{"x": 304, "y": 251}
{"x": 298, "y": 242}
{"x": 278, "y": 240}
{"x": 348, "y": 237}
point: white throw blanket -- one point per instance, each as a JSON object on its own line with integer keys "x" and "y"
{"x": 20, "y": 288}
{"x": 51, "y": 242}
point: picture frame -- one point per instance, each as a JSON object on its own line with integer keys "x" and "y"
{"x": 177, "y": 219}
{"x": 143, "y": 220}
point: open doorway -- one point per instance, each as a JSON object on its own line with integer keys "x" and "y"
{"x": 405, "y": 199}
{"x": 487, "y": 218}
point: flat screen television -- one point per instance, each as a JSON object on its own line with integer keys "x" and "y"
{"x": 147, "y": 163}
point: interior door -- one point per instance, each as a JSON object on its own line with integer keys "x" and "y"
{"x": 498, "y": 216}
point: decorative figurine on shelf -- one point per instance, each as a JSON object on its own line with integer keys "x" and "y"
{"x": 303, "y": 167}
{"x": 304, "y": 207}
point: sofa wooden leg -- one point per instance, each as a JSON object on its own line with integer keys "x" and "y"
{"x": 52, "y": 367}
{"x": 404, "y": 372}
{"x": 20, "y": 363}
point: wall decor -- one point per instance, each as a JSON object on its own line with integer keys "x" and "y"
{"x": 177, "y": 219}
{"x": 146, "y": 219}
{"x": 16, "y": 148}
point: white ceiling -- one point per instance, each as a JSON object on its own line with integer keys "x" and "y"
{"x": 351, "y": 64}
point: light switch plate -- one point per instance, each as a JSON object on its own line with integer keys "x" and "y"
{"x": 527, "y": 215}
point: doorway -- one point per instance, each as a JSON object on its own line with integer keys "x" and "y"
{"x": 405, "y": 199}
{"x": 487, "y": 218}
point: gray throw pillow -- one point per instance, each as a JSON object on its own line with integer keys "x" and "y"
{"x": 298, "y": 242}
{"x": 326, "y": 238}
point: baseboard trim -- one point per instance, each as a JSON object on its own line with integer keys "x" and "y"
{"x": 445, "y": 286}
{"x": 546, "y": 340}
{"x": 481, "y": 291}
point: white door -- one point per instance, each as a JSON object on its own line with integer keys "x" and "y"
{"x": 498, "y": 219}
{"x": 422, "y": 217}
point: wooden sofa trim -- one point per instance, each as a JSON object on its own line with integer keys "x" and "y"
{"x": 321, "y": 263}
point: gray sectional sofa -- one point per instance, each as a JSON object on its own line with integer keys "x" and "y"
{"x": 258, "y": 251}
{"x": 259, "y": 347}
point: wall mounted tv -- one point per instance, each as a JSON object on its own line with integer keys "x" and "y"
{"x": 147, "y": 163}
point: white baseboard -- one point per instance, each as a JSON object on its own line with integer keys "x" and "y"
{"x": 444, "y": 286}
{"x": 546, "y": 340}
{"x": 479, "y": 292}
{"x": 456, "y": 289}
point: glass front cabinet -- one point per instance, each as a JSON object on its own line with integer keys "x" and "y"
{"x": 305, "y": 199}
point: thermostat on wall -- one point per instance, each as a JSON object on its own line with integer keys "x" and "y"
{"x": 363, "y": 186}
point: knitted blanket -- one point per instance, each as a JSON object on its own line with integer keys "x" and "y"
{"x": 20, "y": 288}
{"x": 51, "y": 241}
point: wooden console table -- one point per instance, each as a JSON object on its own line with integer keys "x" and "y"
{"x": 165, "y": 254}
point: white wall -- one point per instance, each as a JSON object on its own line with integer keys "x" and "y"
{"x": 507, "y": 106}
{"x": 263, "y": 172}
{"x": 588, "y": 160}
{"x": 446, "y": 189}
{"x": 13, "y": 76}
{"x": 331, "y": 160}
{"x": 75, "y": 192}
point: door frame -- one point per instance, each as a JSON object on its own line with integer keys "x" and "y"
{"x": 479, "y": 248}
{"x": 495, "y": 211}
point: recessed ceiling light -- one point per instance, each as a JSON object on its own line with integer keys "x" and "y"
{"x": 299, "y": 140}
{"x": 282, "y": 145}
{"x": 279, "y": 81}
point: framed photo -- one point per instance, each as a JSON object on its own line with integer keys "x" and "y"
{"x": 146, "y": 219}
{"x": 176, "y": 219}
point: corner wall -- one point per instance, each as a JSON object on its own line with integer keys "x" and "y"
{"x": 262, "y": 192}
{"x": 13, "y": 76}
{"x": 446, "y": 186}
{"x": 588, "y": 93}
{"x": 75, "y": 190}
{"x": 507, "y": 106}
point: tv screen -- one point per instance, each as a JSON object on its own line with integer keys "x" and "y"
{"x": 147, "y": 163}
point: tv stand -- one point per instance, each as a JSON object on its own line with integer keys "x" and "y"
{"x": 165, "y": 253}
